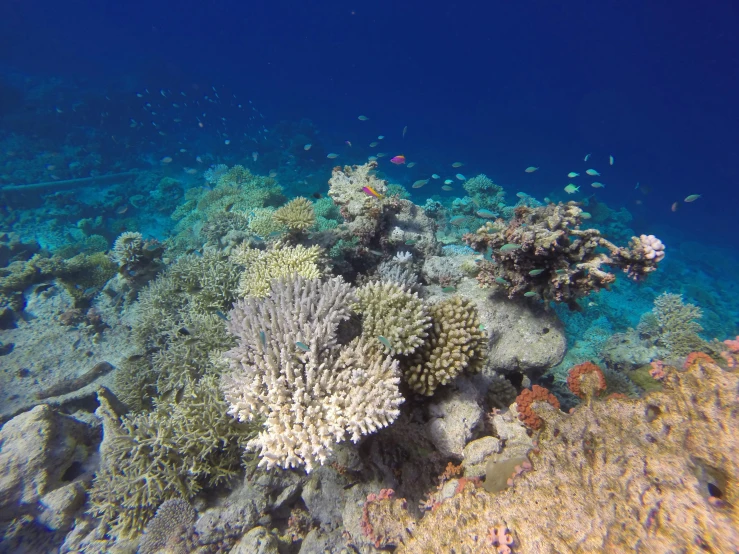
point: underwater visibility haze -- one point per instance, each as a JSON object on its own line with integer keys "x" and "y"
{"x": 361, "y": 277}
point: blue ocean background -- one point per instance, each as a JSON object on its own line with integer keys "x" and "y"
{"x": 497, "y": 86}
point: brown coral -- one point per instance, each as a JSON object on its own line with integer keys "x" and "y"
{"x": 542, "y": 250}
{"x": 586, "y": 380}
{"x": 385, "y": 520}
{"x": 526, "y": 400}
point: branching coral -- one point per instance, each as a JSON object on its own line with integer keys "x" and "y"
{"x": 456, "y": 343}
{"x": 296, "y": 215}
{"x": 261, "y": 266}
{"x": 391, "y": 311}
{"x": 542, "y": 252}
{"x": 289, "y": 368}
{"x": 186, "y": 442}
{"x": 677, "y": 328}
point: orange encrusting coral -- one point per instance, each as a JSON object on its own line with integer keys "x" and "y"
{"x": 583, "y": 386}
{"x": 527, "y": 398}
{"x": 697, "y": 357}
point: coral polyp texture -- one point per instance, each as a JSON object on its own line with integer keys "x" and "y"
{"x": 391, "y": 311}
{"x": 289, "y": 369}
{"x": 262, "y": 266}
{"x": 526, "y": 401}
{"x": 586, "y": 380}
{"x": 657, "y": 474}
{"x": 296, "y": 215}
{"x": 543, "y": 252}
{"x": 455, "y": 343}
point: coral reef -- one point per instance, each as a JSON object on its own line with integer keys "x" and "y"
{"x": 393, "y": 312}
{"x": 168, "y": 528}
{"x": 526, "y": 402}
{"x": 289, "y": 368}
{"x": 349, "y": 189}
{"x": 261, "y": 267}
{"x": 657, "y": 474}
{"x": 586, "y": 380}
{"x": 543, "y": 253}
{"x": 296, "y": 215}
{"x": 456, "y": 343}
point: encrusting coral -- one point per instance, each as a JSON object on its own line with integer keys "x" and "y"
{"x": 391, "y": 311}
{"x": 657, "y": 474}
{"x": 456, "y": 343}
{"x": 542, "y": 252}
{"x": 289, "y": 369}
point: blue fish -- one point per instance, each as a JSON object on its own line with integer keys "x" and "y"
{"x": 304, "y": 347}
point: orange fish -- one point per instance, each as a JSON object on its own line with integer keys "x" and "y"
{"x": 372, "y": 192}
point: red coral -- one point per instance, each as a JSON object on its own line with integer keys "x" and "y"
{"x": 697, "y": 357}
{"x": 526, "y": 399}
{"x": 581, "y": 385}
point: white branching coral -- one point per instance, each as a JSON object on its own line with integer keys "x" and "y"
{"x": 290, "y": 369}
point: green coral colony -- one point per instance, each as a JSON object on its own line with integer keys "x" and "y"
{"x": 364, "y": 351}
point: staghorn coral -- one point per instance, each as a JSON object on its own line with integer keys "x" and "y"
{"x": 543, "y": 251}
{"x": 392, "y": 311}
{"x": 289, "y": 368}
{"x": 296, "y": 215}
{"x": 188, "y": 441}
{"x": 658, "y": 474}
{"x": 261, "y": 267}
{"x": 262, "y": 224}
{"x": 455, "y": 343}
{"x": 169, "y": 528}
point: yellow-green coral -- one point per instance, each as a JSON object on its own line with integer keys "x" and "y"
{"x": 261, "y": 266}
{"x": 455, "y": 344}
{"x": 262, "y": 224}
{"x": 187, "y": 442}
{"x": 391, "y": 311}
{"x": 296, "y": 215}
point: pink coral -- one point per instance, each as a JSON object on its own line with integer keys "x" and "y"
{"x": 658, "y": 370}
{"x": 501, "y": 539}
{"x": 733, "y": 344}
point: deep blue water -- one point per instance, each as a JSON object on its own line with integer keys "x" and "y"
{"x": 498, "y": 85}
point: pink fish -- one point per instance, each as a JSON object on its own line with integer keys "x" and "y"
{"x": 398, "y": 160}
{"x": 372, "y": 192}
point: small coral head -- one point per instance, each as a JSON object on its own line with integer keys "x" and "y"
{"x": 525, "y": 403}
{"x": 586, "y": 380}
